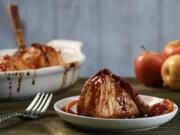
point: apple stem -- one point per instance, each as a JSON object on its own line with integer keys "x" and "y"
{"x": 144, "y": 48}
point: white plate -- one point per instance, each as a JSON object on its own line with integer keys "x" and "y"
{"x": 26, "y": 83}
{"x": 133, "y": 124}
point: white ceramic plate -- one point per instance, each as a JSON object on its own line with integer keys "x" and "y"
{"x": 134, "y": 124}
{"x": 25, "y": 83}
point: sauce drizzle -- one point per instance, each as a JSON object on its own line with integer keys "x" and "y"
{"x": 33, "y": 80}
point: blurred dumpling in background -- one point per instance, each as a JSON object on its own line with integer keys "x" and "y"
{"x": 38, "y": 56}
{"x": 34, "y": 57}
{"x": 9, "y": 63}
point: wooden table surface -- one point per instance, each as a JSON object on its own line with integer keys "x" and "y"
{"x": 51, "y": 124}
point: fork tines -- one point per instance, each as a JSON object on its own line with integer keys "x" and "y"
{"x": 39, "y": 104}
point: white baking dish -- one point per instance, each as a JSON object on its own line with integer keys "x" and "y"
{"x": 26, "y": 83}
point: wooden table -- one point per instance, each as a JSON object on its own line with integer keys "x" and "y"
{"x": 51, "y": 124}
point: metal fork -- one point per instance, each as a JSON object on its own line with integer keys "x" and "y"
{"x": 35, "y": 110}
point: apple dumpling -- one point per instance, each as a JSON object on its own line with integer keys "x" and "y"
{"x": 106, "y": 95}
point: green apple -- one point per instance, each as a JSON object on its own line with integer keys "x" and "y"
{"x": 170, "y": 72}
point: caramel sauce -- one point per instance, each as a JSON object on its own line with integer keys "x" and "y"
{"x": 121, "y": 95}
{"x": 9, "y": 83}
{"x": 28, "y": 73}
{"x": 20, "y": 77}
{"x": 161, "y": 108}
{"x": 67, "y": 67}
{"x": 45, "y": 55}
{"x": 10, "y": 88}
{"x": 68, "y": 107}
{"x": 33, "y": 80}
{"x": 121, "y": 98}
{"x": 64, "y": 78}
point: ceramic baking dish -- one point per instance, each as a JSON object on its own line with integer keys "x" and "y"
{"x": 26, "y": 83}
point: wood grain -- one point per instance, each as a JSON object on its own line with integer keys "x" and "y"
{"x": 51, "y": 124}
{"x": 15, "y": 20}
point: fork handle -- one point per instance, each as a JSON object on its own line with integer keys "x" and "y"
{"x": 8, "y": 116}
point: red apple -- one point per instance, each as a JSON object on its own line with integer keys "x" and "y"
{"x": 171, "y": 48}
{"x": 147, "y": 67}
{"x": 171, "y": 72}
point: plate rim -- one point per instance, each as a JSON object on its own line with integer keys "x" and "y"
{"x": 118, "y": 119}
